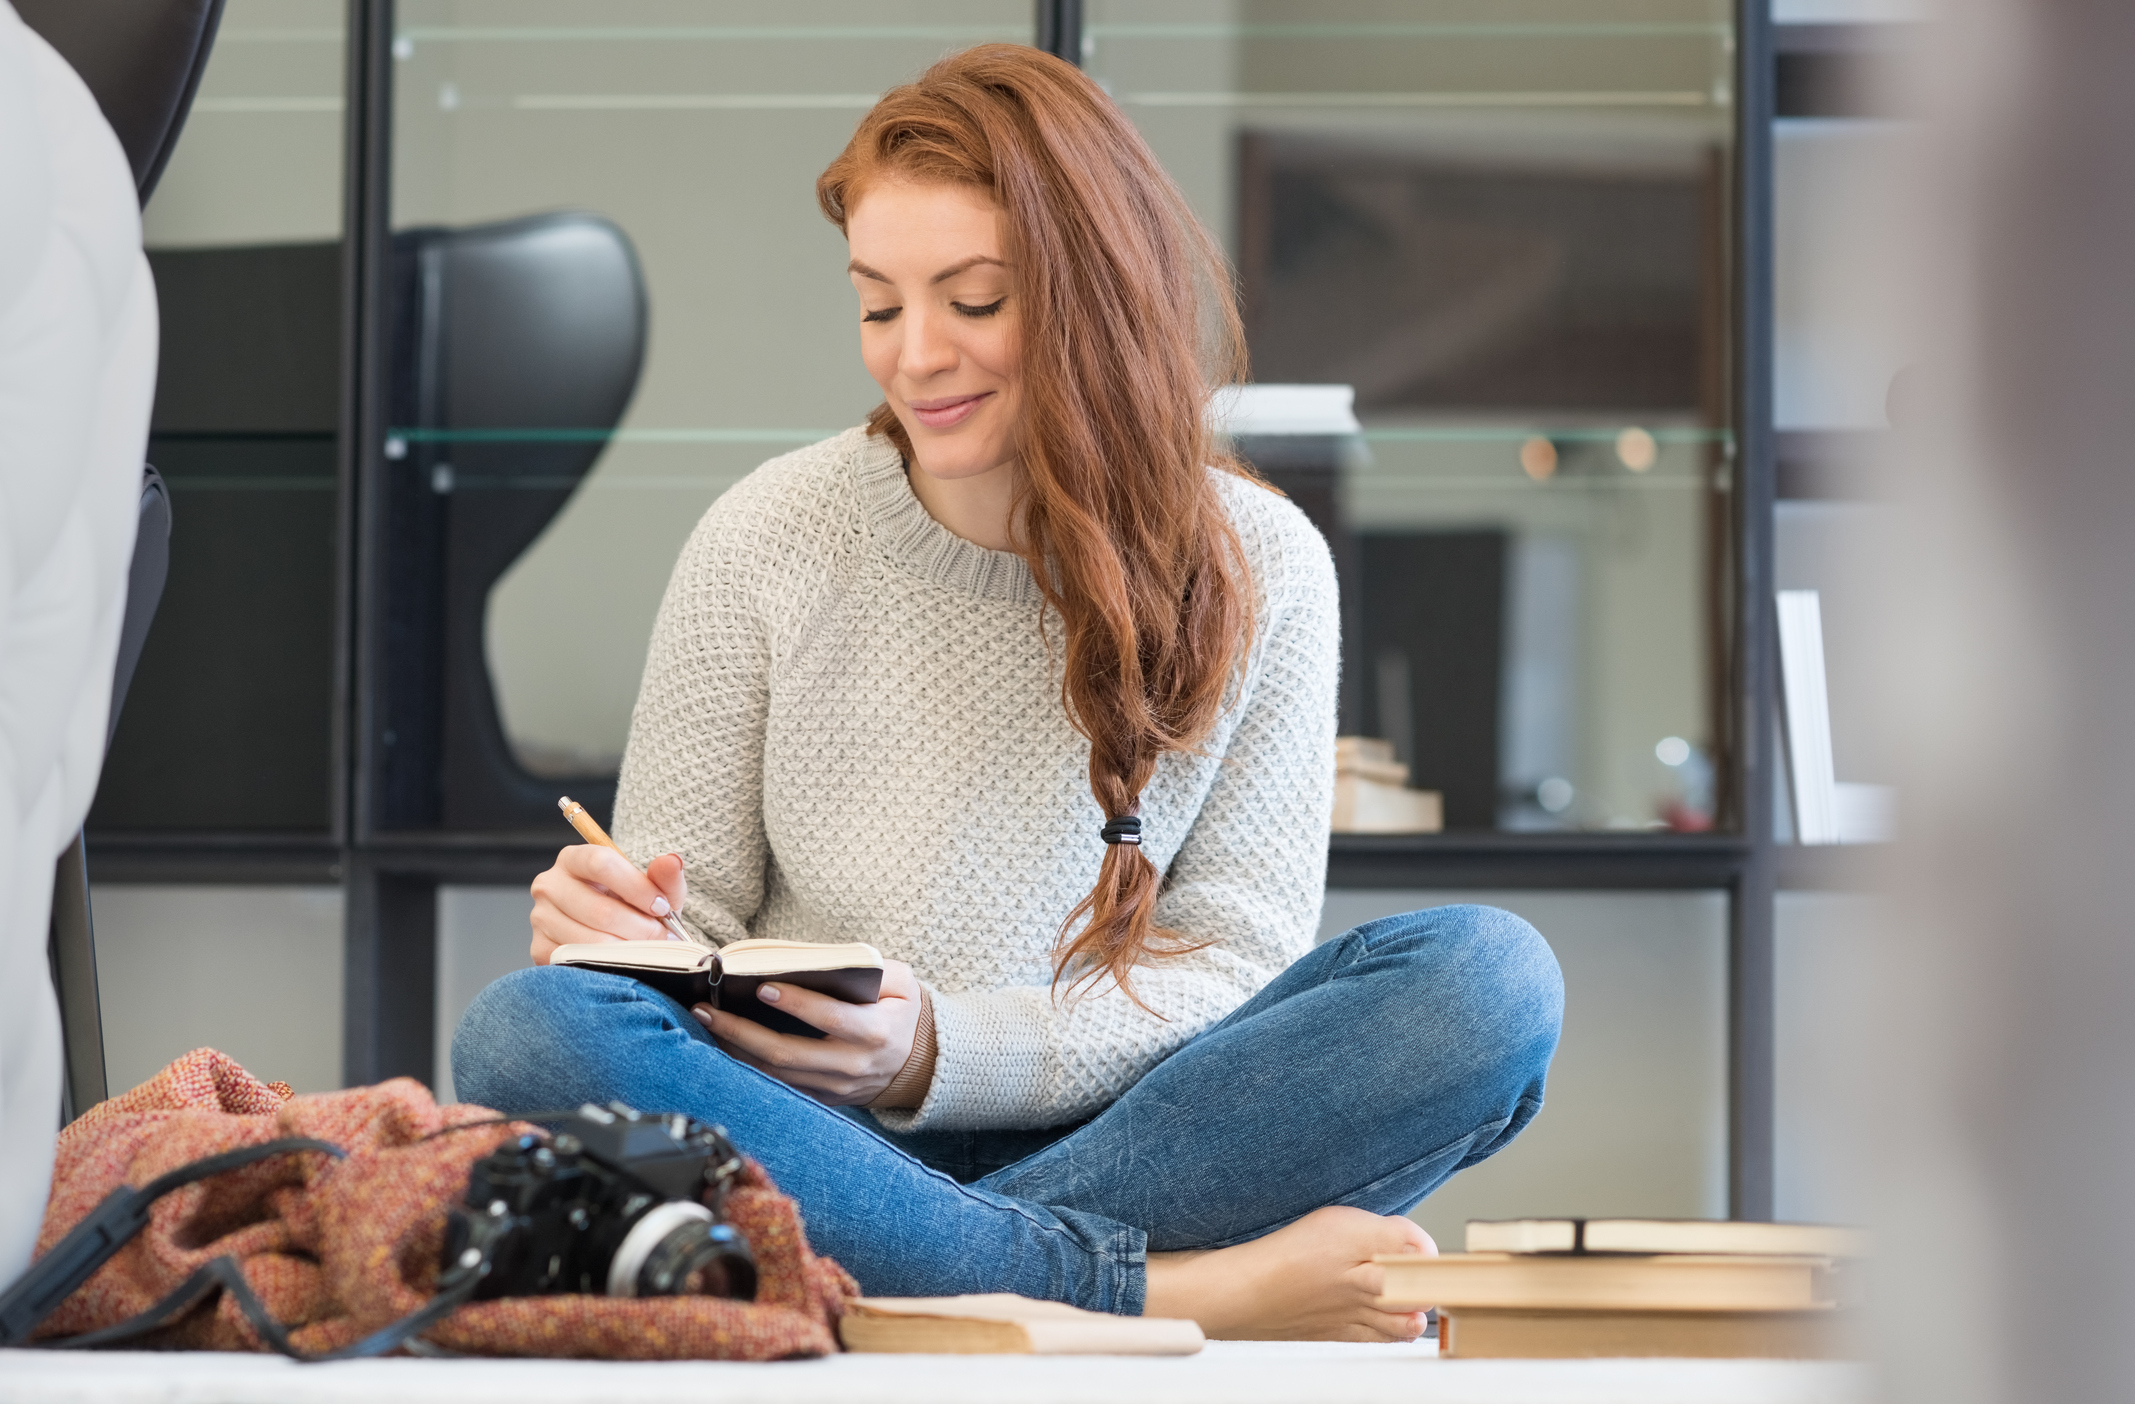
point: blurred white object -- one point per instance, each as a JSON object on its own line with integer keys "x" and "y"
{"x": 1850, "y": 11}
{"x": 1825, "y": 810}
{"x": 77, "y": 372}
{"x": 1371, "y": 794}
{"x": 1807, "y": 714}
{"x": 1866, "y": 813}
{"x": 1243, "y": 410}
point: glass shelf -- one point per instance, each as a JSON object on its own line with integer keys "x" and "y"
{"x": 698, "y": 33}
{"x": 793, "y": 437}
{"x": 1428, "y": 99}
{"x": 1408, "y": 29}
{"x": 256, "y": 34}
{"x": 244, "y": 460}
{"x": 679, "y": 102}
{"x": 1447, "y": 434}
{"x": 237, "y": 482}
{"x": 1486, "y": 434}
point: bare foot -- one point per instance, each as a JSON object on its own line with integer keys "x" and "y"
{"x": 1313, "y": 1280}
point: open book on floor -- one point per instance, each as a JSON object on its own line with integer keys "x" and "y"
{"x": 1000, "y": 1323}
{"x": 1664, "y": 1236}
{"x": 728, "y": 978}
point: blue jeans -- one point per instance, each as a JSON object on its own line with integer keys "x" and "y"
{"x": 1365, "y": 1074}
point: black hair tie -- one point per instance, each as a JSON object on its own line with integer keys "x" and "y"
{"x": 1126, "y": 829}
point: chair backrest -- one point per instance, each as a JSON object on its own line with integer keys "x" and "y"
{"x": 532, "y": 330}
{"x": 141, "y": 60}
{"x": 533, "y": 326}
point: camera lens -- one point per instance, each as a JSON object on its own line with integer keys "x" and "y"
{"x": 714, "y": 1256}
{"x": 675, "y": 1241}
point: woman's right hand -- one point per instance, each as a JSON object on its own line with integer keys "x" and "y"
{"x": 596, "y": 894}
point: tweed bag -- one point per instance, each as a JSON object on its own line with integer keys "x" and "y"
{"x": 338, "y": 1249}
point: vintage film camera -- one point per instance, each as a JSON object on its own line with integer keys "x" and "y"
{"x": 611, "y": 1201}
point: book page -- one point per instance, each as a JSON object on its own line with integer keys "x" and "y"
{"x": 659, "y": 954}
{"x": 754, "y": 957}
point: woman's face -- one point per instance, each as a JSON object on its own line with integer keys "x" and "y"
{"x": 939, "y": 325}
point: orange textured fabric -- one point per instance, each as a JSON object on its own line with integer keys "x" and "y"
{"x": 336, "y": 1250}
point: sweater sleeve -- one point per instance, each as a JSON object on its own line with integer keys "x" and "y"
{"x": 693, "y": 772}
{"x": 1249, "y": 876}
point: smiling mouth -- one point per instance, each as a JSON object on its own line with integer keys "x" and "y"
{"x": 948, "y": 412}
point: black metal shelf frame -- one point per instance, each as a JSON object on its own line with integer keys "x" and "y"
{"x": 391, "y": 878}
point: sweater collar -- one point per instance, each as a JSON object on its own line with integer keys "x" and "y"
{"x": 905, "y": 533}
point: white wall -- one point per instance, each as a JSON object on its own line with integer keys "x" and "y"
{"x": 257, "y": 973}
{"x": 1826, "y": 944}
{"x": 482, "y": 933}
{"x": 252, "y": 971}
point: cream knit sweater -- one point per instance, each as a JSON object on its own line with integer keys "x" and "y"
{"x": 851, "y": 729}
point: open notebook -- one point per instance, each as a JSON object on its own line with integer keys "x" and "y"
{"x": 728, "y": 977}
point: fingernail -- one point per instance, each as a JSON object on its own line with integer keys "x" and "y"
{"x": 767, "y": 993}
{"x": 660, "y": 907}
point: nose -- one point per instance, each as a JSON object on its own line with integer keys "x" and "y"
{"x": 928, "y": 347}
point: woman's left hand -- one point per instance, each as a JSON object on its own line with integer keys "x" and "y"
{"x": 867, "y": 1047}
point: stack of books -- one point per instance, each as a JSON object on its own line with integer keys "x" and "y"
{"x": 1550, "y": 1288}
{"x": 1371, "y": 793}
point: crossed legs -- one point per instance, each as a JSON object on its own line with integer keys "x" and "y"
{"x": 1266, "y": 1156}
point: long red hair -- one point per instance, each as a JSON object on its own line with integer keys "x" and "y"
{"x": 1128, "y": 322}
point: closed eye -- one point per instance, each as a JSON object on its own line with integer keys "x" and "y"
{"x": 987, "y": 311}
{"x": 881, "y": 314}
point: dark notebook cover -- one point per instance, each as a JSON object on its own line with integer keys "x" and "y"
{"x": 853, "y": 984}
{"x": 736, "y": 994}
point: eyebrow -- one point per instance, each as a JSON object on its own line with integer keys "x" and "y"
{"x": 856, "y": 266}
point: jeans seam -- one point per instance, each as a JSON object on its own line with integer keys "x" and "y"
{"x": 1129, "y": 1287}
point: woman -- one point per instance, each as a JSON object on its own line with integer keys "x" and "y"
{"x": 909, "y": 684}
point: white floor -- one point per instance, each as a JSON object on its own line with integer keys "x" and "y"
{"x": 1226, "y": 1373}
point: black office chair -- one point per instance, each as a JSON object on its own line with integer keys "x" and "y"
{"x": 531, "y": 330}
{"x": 142, "y": 62}
{"x": 535, "y": 324}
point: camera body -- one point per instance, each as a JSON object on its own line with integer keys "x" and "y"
{"x": 613, "y": 1201}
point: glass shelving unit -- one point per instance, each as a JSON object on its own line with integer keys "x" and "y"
{"x": 1502, "y": 184}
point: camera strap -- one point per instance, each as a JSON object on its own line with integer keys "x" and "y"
{"x": 124, "y": 1213}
